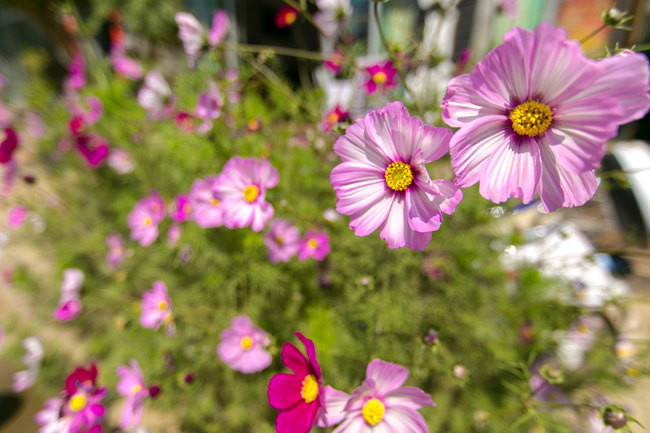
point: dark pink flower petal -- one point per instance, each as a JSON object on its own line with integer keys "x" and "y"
{"x": 284, "y": 391}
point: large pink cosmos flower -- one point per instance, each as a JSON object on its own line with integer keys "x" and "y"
{"x": 382, "y": 404}
{"x": 145, "y": 217}
{"x": 282, "y": 240}
{"x": 156, "y": 307}
{"x": 133, "y": 387}
{"x": 243, "y": 346}
{"x": 205, "y": 203}
{"x": 383, "y": 182}
{"x": 535, "y": 114}
{"x": 242, "y": 185}
{"x": 298, "y": 396}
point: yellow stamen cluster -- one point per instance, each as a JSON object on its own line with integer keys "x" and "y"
{"x": 290, "y": 17}
{"x": 250, "y": 193}
{"x": 246, "y": 343}
{"x": 162, "y": 305}
{"x": 531, "y": 118}
{"x": 373, "y": 411}
{"x": 77, "y": 402}
{"x": 379, "y": 77}
{"x": 312, "y": 243}
{"x": 136, "y": 389}
{"x": 215, "y": 202}
{"x": 333, "y": 117}
{"x": 398, "y": 176}
{"x": 309, "y": 391}
{"x": 147, "y": 221}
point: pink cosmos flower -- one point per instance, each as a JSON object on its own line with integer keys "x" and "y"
{"x": 124, "y": 65}
{"x": 17, "y": 216}
{"x": 242, "y": 184}
{"x": 76, "y": 72}
{"x": 156, "y": 307}
{"x": 381, "y": 77}
{"x": 282, "y": 240}
{"x": 173, "y": 235}
{"x": 83, "y": 401}
{"x": 383, "y": 182}
{"x": 219, "y": 29}
{"x": 49, "y": 418}
{"x": 314, "y": 245}
{"x": 116, "y": 252}
{"x": 8, "y": 145}
{"x": 70, "y": 301}
{"x": 332, "y": 15}
{"x": 32, "y": 359}
{"x": 205, "y": 203}
{"x": 332, "y": 118}
{"x": 133, "y": 387}
{"x": 243, "y": 346}
{"x": 285, "y": 16}
{"x": 155, "y": 96}
{"x": 535, "y": 114}
{"x": 182, "y": 209}
{"x": 210, "y": 103}
{"x": 191, "y": 34}
{"x": 382, "y": 404}
{"x": 92, "y": 148}
{"x": 298, "y": 396}
{"x": 145, "y": 217}
{"x": 185, "y": 122}
{"x": 335, "y": 62}
{"x": 120, "y": 161}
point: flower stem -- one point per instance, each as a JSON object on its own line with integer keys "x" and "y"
{"x": 281, "y": 51}
{"x": 592, "y": 34}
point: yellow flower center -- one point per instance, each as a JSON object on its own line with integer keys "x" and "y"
{"x": 531, "y": 118}
{"x": 398, "y": 176}
{"x": 246, "y": 343}
{"x": 279, "y": 240}
{"x": 187, "y": 208}
{"x": 136, "y": 389}
{"x": 312, "y": 243}
{"x": 215, "y": 202}
{"x": 162, "y": 305}
{"x": 333, "y": 117}
{"x": 77, "y": 402}
{"x": 147, "y": 221}
{"x": 373, "y": 411}
{"x": 379, "y": 77}
{"x": 309, "y": 390}
{"x": 250, "y": 193}
{"x": 582, "y": 328}
{"x": 290, "y": 17}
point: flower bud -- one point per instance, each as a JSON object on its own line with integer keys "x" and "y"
{"x": 614, "y": 418}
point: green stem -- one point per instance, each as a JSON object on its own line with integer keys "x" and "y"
{"x": 281, "y": 51}
{"x": 592, "y": 34}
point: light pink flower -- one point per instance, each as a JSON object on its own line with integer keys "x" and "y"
{"x": 120, "y": 161}
{"x": 155, "y": 96}
{"x": 116, "y": 252}
{"x": 156, "y": 307}
{"x": 17, "y": 216}
{"x": 282, "y": 240}
{"x": 70, "y": 300}
{"x": 76, "y": 72}
{"x": 191, "y": 34}
{"x": 242, "y": 184}
{"x": 133, "y": 387}
{"x": 173, "y": 235}
{"x": 382, "y": 404}
{"x": 210, "y": 103}
{"x": 49, "y": 418}
{"x": 381, "y": 76}
{"x": 332, "y": 15}
{"x": 243, "y": 346}
{"x": 383, "y": 182}
{"x": 32, "y": 359}
{"x": 205, "y": 203}
{"x": 219, "y": 29}
{"x": 145, "y": 217}
{"x": 535, "y": 115}
{"x": 314, "y": 245}
{"x": 126, "y": 66}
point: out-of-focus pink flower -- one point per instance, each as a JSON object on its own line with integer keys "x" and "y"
{"x": 133, "y": 387}
{"x": 35, "y": 125}
{"x": 93, "y": 148}
{"x": 32, "y": 359}
{"x": 463, "y": 60}
{"x": 116, "y": 252}
{"x": 120, "y": 161}
{"x": 335, "y": 62}
{"x": 282, "y": 240}
{"x": 285, "y": 16}
{"x": 17, "y": 216}
{"x": 315, "y": 245}
{"x": 243, "y": 346}
{"x": 70, "y": 301}
{"x": 173, "y": 235}
{"x": 76, "y": 72}
{"x": 5, "y": 116}
{"x": 332, "y": 16}
{"x": 332, "y": 118}
{"x": 145, "y": 217}
{"x": 242, "y": 186}
{"x": 219, "y": 29}
{"x": 381, "y": 76}
{"x": 191, "y": 34}
{"x": 126, "y": 66}
{"x": 83, "y": 401}
{"x": 182, "y": 209}
{"x": 8, "y": 145}
{"x": 210, "y": 103}
{"x": 49, "y": 418}
{"x": 185, "y": 121}
{"x": 155, "y": 96}
{"x": 156, "y": 307}
{"x": 11, "y": 168}
{"x": 205, "y": 203}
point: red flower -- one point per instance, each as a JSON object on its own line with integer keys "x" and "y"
{"x": 8, "y": 145}
{"x": 285, "y": 16}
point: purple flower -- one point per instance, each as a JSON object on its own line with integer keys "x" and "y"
{"x": 126, "y": 66}
{"x": 191, "y": 34}
{"x": 145, "y": 217}
{"x": 133, "y": 387}
{"x": 382, "y": 404}
{"x": 282, "y": 240}
{"x": 242, "y": 184}
{"x": 315, "y": 245}
{"x": 535, "y": 114}
{"x": 116, "y": 252}
{"x": 76, "y": 72}
{"x": 92, "y": 148}
{"x": 182, "y": 208}
{"x": 155, "y": 96}
{"x": 383, "y": 182}
{"x": 17, "y": 216}
{"x": 243, "y": 346}
{"x": 70, "y": 301}
{"x": 205, "y": 203}
{"x": 156, "y": 307}
{"x": 219, "y": 29}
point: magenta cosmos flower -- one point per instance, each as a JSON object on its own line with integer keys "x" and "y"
{"x": 535, "y": 114}
{"x": 381, "y": 76}
{"x": 383, "y": 182}
{"x": 205, "y": 203}
{"x": 8, "y": 145}
{"x": 242, "y": 184}
{"x": 17, "y": 216}
{"x": 70, "y": 301}
{"x": 282, "y": 240}
{"x": 133, "y": 387}
{"x": 382, "y": 404}
{"x": 332, "y": 118}
{"x": 298, "y": 396}
{"x": 181, "y": 209}
{"x": 83, "y": 401}
{"x": 243, "y": 346}
{"x": 145, "y": 217}
{"x": 156, "y": 307}
{"x": 314, "y": 245}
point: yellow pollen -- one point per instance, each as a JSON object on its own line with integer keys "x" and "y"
{"x": 582, "y": 328}
{"x": 312, "y": 243}
{"x": 309, "y": 391}
{"x": 215, "y": 202}
{"x": 162, "y": 305}
{"x": 187, "y": 208}
{"x": 250, "y": 193}
{"x": 136, "y": 389}
{"x": 147, "y": 221}
{"x": 373, "y": 411}
{"x": 290, "y": 17}
{"x": 279, "y": 240}
{"x": 531, "y": 118}
{"x": 379, "y": 77}
{"x": 246, "y": 343}
{"x": 398, "y": 176}
{"x": 333, "y": 117}
{"x": 77, "y": 402}
{"x": 169, "y": 318}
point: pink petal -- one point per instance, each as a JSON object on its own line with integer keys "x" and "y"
{"x": 423, "y": 215}
{"x": 356, "y": 145}
{"x": 299, "y": 419}
{"x": 392, "y": 230}
{"x": 434, "y": 142}
{"x": 295, "y": 360}
{"x": 405, "y": 420}
{"x": 284, "y": 391}
{"x": 408, "y": 397}
{"x": 367, "y": 221}
{"x": 335, "y": 402}
{"x": 387, "y": 376}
